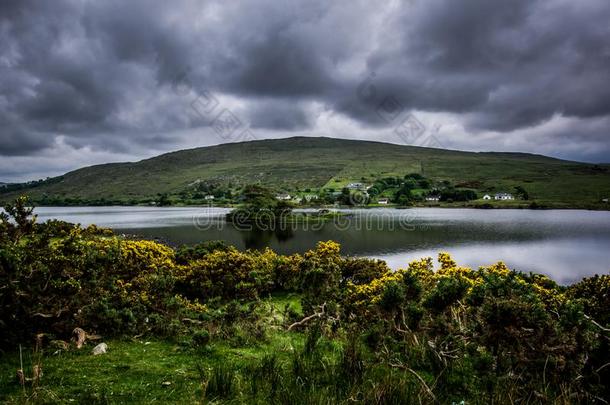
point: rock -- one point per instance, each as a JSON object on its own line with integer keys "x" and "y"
{"x": 100, "y": 349}
{"x": 166, "y": 383}
{"x": 79, "y": 336}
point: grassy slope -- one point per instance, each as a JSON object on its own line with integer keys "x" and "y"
{"x": 316, "y": 162}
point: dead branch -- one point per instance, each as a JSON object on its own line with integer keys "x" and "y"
{"x": 403, "y": 367}
{"x": 309, "y": 318}
{"x": 192, "y": 321}
{"x": 597, "y": 324}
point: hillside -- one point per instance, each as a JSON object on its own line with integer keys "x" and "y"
{"x": 305, "y": 162}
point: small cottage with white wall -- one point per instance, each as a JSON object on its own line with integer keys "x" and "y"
{"x": 504, "y": 196}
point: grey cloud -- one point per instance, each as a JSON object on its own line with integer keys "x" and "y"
{"x": 17, "y": 141}
{"x": 103, "y": 74}
{"x": 278, "y": 115}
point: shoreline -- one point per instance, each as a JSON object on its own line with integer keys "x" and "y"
{"x": 485, "y": 206}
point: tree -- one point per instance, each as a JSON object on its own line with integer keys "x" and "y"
{"x": 259, "y": 204}
{"x": 344, "y": 198}
{"x": 404, "y": 194}
{"x": 257, "y": 198}
{"x": 22, "y": 217}
{"x": 522, "y": 193}
{"x": 414, "y": 176}
{"x": 458, "y": 195}
{"x": 164, "y": 200}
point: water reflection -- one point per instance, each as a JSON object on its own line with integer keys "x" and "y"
{"x": 566, "y": 244}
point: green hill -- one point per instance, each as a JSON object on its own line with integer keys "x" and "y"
{"x": 305, "y": 162}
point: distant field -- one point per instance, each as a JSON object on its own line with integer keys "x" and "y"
{"x": 304, "y": 162}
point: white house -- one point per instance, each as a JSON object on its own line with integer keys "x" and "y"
{"x": 355, "y": 186}
{"x": 504, "y": 196}
{"x": 433, "y": 198}
{"x": 383, "y": 201}
{"x": 208, "y": 197}
{"x": 487, "y": 197}
{"x": 283, "y": 197}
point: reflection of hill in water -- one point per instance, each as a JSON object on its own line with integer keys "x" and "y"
{"x": 566, "y": 245}
{"x": 387, "y": 235}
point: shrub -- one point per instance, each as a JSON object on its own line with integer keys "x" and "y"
{"x": 363, "y": 270}
{"x": 227, "y": 274}
{"x": 594, "y": 292}
{"x": 393, "y": 296}
{"x": 287, "y": 272}
{"x": 447, "y": 292}
{"x": 320, "y": 275}
{"x": 186, "y": 254}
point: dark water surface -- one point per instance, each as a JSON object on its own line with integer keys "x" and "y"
{"x": 564, "y": 244}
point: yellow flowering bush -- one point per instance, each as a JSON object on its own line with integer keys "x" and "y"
{"x": 594, "y": 293}
{"x": 143, "y": 255}
{"x": 423, "y": 271}
{"x": 320, "y": 275}
{"x": 360, "y": 298}
{"x": 287, "y": 272}
{"x": 227, "y": 274}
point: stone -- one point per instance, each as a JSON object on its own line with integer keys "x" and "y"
{"x": 80, "y": 336}
{"x": 100, "y": 349}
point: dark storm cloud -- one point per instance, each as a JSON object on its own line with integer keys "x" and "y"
{"x": 514, "y": 63}
{"x": 278, "y": 115}
{"x": 17, "y": 140}
{"x": 121, "y": 77}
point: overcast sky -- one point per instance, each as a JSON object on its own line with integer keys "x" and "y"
{"x": 87, "y": 82}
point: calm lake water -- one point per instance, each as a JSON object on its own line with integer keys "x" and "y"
{"x": 564, "y": 244}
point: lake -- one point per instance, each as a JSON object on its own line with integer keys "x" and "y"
{"x": 564, "y": 244}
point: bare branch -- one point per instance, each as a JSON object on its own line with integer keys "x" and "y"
{"x": 309, "y": 318}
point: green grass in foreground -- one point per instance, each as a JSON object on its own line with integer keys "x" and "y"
{"x": 145, "y": 370}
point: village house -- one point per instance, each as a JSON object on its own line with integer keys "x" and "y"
{"x": 504, "y": 196}
{"x": 487, "y": 197}
{"x": 433, "y": 198}
{"x": 283, "y": 197}
{"x": 383, "y": 201}
{"x": 208, "y": 197}
{"x": 355, "y": 186}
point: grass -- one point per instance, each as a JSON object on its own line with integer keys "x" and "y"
{"x": 285, "y": 367}
{"x": 300, "y": 163}
{"x": 146, "y": 370}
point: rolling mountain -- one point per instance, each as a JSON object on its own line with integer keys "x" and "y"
{"x": 306, "y": 162}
